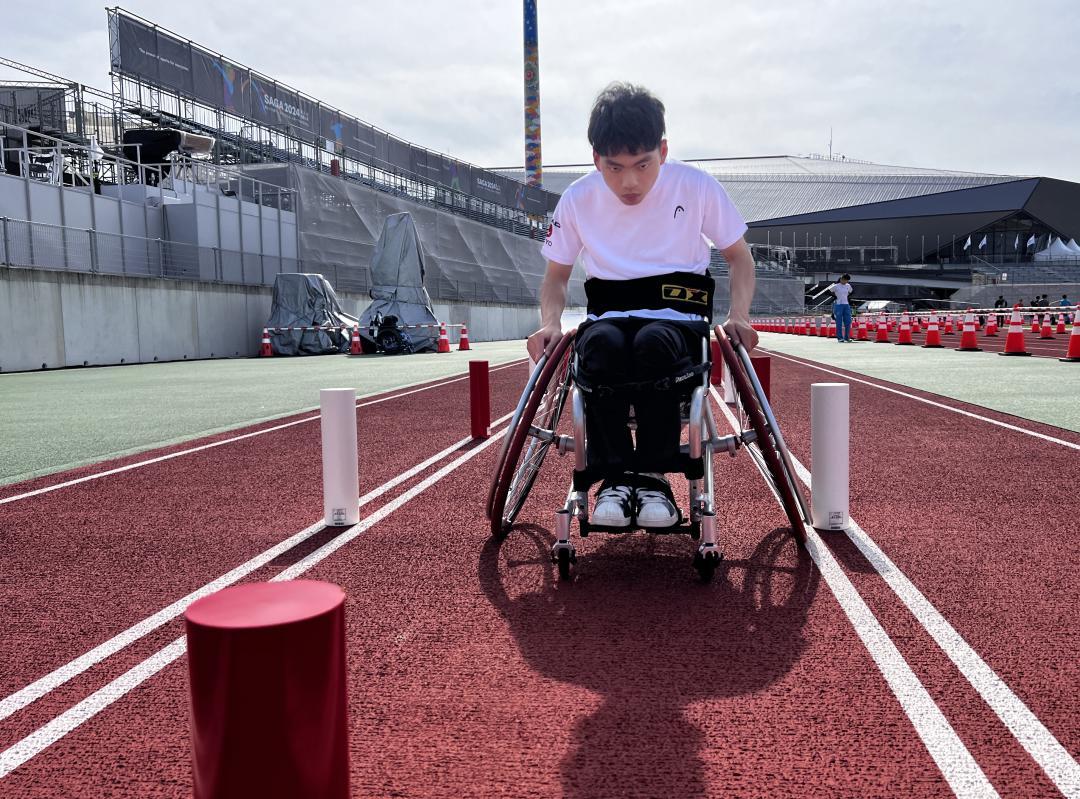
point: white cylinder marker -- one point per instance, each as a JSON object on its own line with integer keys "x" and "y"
{"x": 727, "y": 383}
{"x": 341, "y": 471}
{"x": 829, "y": 455}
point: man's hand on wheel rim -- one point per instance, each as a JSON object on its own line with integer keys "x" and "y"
{"x": 740, "y": 331}
{"x": 543, "y": 340}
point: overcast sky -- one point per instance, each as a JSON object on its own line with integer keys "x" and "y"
{"x": 975, "y": 85}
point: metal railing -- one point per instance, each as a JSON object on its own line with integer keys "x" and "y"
{"x": 41, "y": 246}
{"x": 804, "y": 253}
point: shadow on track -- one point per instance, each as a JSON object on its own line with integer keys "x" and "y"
{"x": 847, "y": 552}
{"x": 637, "y": 628}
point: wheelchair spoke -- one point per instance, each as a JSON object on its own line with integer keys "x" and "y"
{"x": 533, "y": 430}
{"x": 762, "y": 465}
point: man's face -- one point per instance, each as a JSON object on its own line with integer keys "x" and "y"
{"x": 631, "y": 175}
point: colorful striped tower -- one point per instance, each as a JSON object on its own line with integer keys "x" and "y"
{"x": 533, "y": 173}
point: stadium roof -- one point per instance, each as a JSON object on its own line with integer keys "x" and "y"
{"x": 771, "y": 187}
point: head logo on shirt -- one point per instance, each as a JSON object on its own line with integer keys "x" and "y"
{"x": 551, "y": 230}
{"x": 677, "y": 209}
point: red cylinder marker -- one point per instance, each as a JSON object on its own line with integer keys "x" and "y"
{"x": 479, "y": 399}
{"x": 268, "y": 702}
{"x": 763, "y": 369}
{"x": 717, "y": 375}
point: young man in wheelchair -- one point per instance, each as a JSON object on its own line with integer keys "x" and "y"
{"x": 642, "y": 225}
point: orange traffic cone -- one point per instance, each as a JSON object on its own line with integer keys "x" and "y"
{"x": 948, "y": 325}
{"x": 968, "y": 341}
{"x": 862, "y": 335}
{"x": 1073, "y": 355}
{"x": 1014, "y": 339}
{"x": 355, "y": 348}
{"x": 463, "y": 343}
{"x": 1060, "y": 324}
{"x": 444, "y": 341}
{"x": 266, "y": 351}
{"x": 1047, "y": 332}
{"x": 991, "y": 325}
{"x": 1036, "y": 325}
{"x": 933, "y": 335}
{"x": 916, "y": 324}
{"x": 905, "y": 331}
{"x": 882, "y": 331}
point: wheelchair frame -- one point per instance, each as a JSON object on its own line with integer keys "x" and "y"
{"x": 534, "y": 430}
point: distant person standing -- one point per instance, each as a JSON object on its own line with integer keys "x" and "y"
{"x": 1065, "y": 304}
{"x": 1000, "y": 303}
{"x": 842, "y": 308}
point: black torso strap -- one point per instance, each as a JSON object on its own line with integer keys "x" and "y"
{"x": 679, "y": 291}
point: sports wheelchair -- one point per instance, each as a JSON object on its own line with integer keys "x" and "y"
{"x": 535, "y": 429}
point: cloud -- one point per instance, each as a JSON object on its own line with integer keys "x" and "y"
{"x": 978, "y": 85}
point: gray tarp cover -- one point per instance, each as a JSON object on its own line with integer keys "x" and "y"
{"x": 397, "y": 277}
{"x": 305, "y": 301}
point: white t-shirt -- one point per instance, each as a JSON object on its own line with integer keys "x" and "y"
{"x": 842, "y": 292}
{"x": 668, "y": 231}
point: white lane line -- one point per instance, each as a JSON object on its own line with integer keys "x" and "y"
{"x": 952, "y": 757}
{"x": 48, "y": 734}
{"x": 172, "y": 455}
{"x": 58, "y": 677}
{"x": 51, "y": 732}
{"x": 960, "y": 411}
{"x": 1025, "y": 726}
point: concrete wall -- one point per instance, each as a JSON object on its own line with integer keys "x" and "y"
{"x": 55, "y": 319}
{"x": 52, "y": 319}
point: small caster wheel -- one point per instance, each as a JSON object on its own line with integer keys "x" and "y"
{"x": 565, "y": 558}
{"x": 706, "y": 564}
{"x": 695, "y": 531}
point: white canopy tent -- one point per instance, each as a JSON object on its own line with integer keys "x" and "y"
{"x": 1057, "y": 251}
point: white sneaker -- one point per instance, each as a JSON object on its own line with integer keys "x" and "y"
{"x": 613, "y": 506}
{"x": 655, "y": 508}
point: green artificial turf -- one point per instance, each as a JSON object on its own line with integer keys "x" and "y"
{"x": 1040, "y": 389}
{"x": 56, "y": 420}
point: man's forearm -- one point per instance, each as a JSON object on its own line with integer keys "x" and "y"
{"x": 553, "y": 295}
{"x": 740, "y": 279}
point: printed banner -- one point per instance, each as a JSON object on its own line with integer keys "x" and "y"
{"x": 279, "y": 107}
{"x": 142, "y": 51}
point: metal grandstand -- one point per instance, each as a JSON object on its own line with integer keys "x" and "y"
{"x": 62, "y": 109}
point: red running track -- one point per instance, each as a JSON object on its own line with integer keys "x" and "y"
{"x": 474, "y": 673}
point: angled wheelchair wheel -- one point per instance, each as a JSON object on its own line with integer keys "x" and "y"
{"x": 531, "y": 434}
{"x": 767, "y": 448}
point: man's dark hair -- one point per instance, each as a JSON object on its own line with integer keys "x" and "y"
{"x": 845, "y": 277}
{"x": 626, "y": 119}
